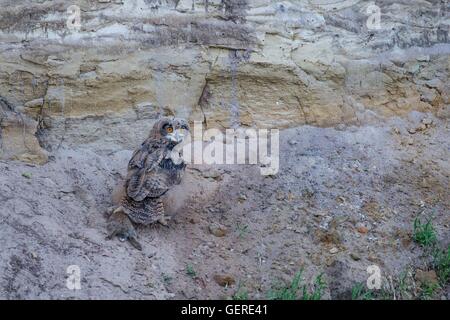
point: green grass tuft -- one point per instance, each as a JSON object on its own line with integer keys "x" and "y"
{"x": 27, "y": 175}
{"x": 190, "y": 271}
{"x": 359, "y": 292}
{"x": 287, "y": 292}
{"x": 241, "y": 294}
{"x": 428, "y": 291}
{"x": 292, "y": 290}
{"x": 424, "y": 233}
{"x": 441, "y": 263}
{"x": 242, "y": 230}
{"x": 166, "y": 278}
{"x": 317, "y": 290}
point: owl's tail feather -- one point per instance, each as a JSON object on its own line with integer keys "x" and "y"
{"x": 147, "y": 211}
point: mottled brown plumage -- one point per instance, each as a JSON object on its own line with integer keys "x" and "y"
{"x": 152, "y": 170}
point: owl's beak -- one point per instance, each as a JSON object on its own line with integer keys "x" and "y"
{"x": 176, "y": 136}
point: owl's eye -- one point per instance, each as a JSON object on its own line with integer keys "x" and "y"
{"x": 169, "y": 129}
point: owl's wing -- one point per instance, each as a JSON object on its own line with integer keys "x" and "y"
{"x": 142, "y": 171}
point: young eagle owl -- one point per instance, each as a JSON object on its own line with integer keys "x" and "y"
{"x": 152, "y": 170}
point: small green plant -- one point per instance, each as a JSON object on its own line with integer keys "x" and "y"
{"x": 166, "y": 278}
{"x": 384, "y": 294}
{"x": 401, "y": 286}
{"x": 288, "y": 292}
{"x": 441, "y": 263}
{"x": 242, "y": 230}
{"x": 241, "y": 294}
{"x": 27, "y": 175}
{"x": 190, "y": 271}
{"x": 292, "y": 290}
{"x": 359, "y": 292}
{"x": 317, "y": 290}
{"x": 404, "y": 285}
{"x": 424, "y": 233}
{"x": 428, "y": 290}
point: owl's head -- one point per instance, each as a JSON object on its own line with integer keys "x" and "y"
{"x": 174, "y": 130}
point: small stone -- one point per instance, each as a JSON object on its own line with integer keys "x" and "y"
{"x": 426, "y": 277}
{"x": 354, "y": 256}
{"x": 316, "y": 259}
{"x": 329, "y": 236}
{"x": 36, "y": 103}
{"x": 213, "y": 174}
{"x": 225, "y": 280}
{"x": 87, "y": 67}
{"x": 292, "y": 142}
{"x": 427, "y": 121}
{"x": 334, "y": 250}
{"x": 424, "y": 58}
{"x": 362, "y": 229}
{"x": 26, "y": 175}
{"x": 218, "y": 230}
{"x": 409, "y": 141}
{"x": 422, "y": 127}
{"x": 413, "y": 68}
{"x": 242, "y": 197}
{"x": 194, "y": 220}
{"x": 280, "y": 196}
{"x": 319, "y": 214}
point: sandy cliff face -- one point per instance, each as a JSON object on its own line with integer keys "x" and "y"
{"x": 246, "y": 62}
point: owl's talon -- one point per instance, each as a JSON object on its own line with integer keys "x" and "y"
{"x": 135, "y": 243}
